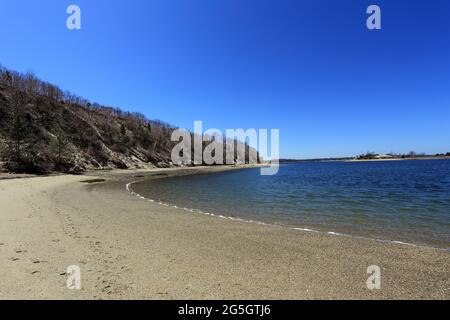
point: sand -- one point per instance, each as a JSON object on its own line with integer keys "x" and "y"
{"x": 129, "y": 248}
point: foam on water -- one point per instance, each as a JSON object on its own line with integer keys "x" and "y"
{"x": 330, "y": 233}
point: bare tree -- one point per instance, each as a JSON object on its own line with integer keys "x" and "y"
{"x": 20, "y": 126}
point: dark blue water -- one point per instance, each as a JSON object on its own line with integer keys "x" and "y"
{"x": 405, "y": 201}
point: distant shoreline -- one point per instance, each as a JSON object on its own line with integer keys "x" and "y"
{"x": 287, "y": 161}
{"x": 400, "y": 159}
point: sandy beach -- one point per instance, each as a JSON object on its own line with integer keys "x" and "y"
{"x": 129, "y": 248}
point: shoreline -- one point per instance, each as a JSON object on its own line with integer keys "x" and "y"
{"x": 129, "y": 189}
{"x": 400, "y": 159}
{"x": 131, "y": 249}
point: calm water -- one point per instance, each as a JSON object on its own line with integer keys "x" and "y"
{"x": 406, "y": 201}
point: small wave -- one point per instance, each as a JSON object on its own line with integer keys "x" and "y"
{"x": 306, "y": 230}
{"x": 331, "y": 233}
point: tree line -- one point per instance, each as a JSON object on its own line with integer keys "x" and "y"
{"x": 410, "y": 155}
{"x": 45, "y": 129}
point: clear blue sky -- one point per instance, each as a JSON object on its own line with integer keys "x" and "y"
{"x": 310, "y": 68}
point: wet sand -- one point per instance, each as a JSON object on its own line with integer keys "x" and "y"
{"x": 129, "y": 248}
